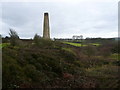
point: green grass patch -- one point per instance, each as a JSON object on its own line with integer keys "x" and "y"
{"x": 2, "y": 45}
{"x": 79, "y": 44}
{"x": 75, "y": 44}
{"x": 95, "y": 44}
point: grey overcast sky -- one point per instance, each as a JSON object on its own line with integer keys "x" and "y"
{"x": 88, "y": 18}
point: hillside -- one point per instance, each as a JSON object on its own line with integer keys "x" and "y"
{"x": 52, "y": 64}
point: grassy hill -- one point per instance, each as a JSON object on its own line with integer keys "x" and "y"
{"x": 51, "y": 64}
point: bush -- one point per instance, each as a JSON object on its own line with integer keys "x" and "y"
{"x": 42, "y": 43}
{"x": 31, "y": 73}
{"x": 36, "y": 39}
{"x": 13, "y": 76}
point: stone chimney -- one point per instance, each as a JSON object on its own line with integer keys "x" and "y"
{"x": 46, "y": 27}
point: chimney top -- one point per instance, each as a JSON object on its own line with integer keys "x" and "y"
{"x": 45, "y": 13}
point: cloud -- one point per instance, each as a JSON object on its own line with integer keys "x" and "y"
{"x": 91, "y": 19}
{"x": 59, "y": 1}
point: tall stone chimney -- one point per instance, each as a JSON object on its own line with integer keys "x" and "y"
{"x": 46, "y": 28}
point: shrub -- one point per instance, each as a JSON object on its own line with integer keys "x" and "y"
{"x": 13, "y": 75}
{"x": 36, "y": 39}
{"x": 42, "y": 43}
{"x": 31, "y": 72}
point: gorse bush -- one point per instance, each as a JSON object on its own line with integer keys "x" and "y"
{"x": 42, "y": 43}
{"x": 37, "y": 39}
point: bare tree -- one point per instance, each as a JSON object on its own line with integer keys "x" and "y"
{"x": 14, "y": 38}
